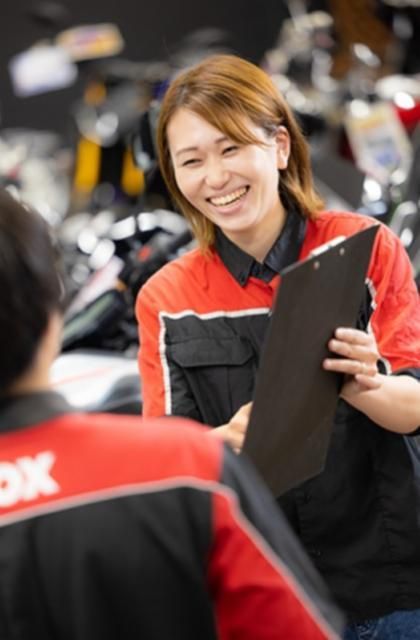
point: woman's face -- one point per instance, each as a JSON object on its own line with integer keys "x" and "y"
{"x": 233, "y": 185}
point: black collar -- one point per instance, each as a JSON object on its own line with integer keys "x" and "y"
{"x": 25, "y": 410}
{"x": 284, "y": 251}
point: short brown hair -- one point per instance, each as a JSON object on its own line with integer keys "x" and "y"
{"x": 228, "y": 91}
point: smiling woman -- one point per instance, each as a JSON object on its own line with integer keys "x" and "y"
{"x": 229, "y": 105}
{"x": 234, "y": 185}
{"x": 237, "y": 166}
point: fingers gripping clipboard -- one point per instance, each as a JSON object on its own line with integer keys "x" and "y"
{"x": 295, "y": 398}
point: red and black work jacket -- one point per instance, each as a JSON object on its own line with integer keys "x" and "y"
{"x": 112, "y": 528}
{"x": 202, "y": 322}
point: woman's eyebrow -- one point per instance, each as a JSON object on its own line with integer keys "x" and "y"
{"x": 196, "y": 148}
{"x": 185, "y": 150}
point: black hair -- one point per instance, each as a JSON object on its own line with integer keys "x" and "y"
{"x": 30, "y": 286}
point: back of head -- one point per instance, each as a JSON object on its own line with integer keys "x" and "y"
{"x": 29, "y": 286}
{"x": 229, "y": 93}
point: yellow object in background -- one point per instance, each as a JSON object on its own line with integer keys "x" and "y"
{"x": 88, "y": 158}
{"x": 132, "y": 178}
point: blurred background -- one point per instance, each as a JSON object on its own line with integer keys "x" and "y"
{"x": 151, "y": 30}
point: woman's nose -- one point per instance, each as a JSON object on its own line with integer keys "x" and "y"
{"x": 216, "y": 174}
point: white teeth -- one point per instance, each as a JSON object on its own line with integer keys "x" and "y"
{"x": 231, "y": 197}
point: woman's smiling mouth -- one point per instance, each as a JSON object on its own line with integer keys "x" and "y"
{"x": 228, "y": 199}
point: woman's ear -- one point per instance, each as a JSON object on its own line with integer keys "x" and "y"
{"x": 283, "y": 147}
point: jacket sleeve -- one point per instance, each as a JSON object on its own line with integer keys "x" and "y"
{"x": 395, "y": 320}
{"x": 263, "y": 584}
{"x": 157, "y": 382}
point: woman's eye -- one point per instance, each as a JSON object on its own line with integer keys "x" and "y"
{"x": 190, "y": 162}
{"x": 231, "y": 148}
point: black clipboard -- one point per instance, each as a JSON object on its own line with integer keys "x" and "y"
{"x": 295, "y": 398}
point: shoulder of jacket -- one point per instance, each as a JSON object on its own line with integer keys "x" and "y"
{"x": 190, "y": 270}
{"x": 329, "y": 224}
{"x": 346, "y": 221}
{"x": 179, "y": 446}
{"x": 181, "y": 268}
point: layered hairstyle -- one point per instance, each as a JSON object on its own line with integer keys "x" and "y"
{"x": 229, "y": 92}
{"x": 30, "y": 287}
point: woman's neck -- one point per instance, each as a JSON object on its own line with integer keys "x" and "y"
{"x": 257, "y": 241}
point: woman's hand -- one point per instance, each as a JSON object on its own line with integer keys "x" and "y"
{"x": 392, "y": 402}
{"x": 233, "y": 432}
{"x": 358, "y": 361}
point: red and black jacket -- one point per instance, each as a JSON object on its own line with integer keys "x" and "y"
{"x": 111, "y": 528}
{"x": 199, "y": 314}
{"x": 202, "y": 321}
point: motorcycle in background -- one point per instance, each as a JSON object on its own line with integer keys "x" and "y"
{"x": 360, "y": 126}
{"x": 100, "y": 339}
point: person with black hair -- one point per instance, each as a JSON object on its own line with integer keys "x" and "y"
{"x": 113, "y": 527}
